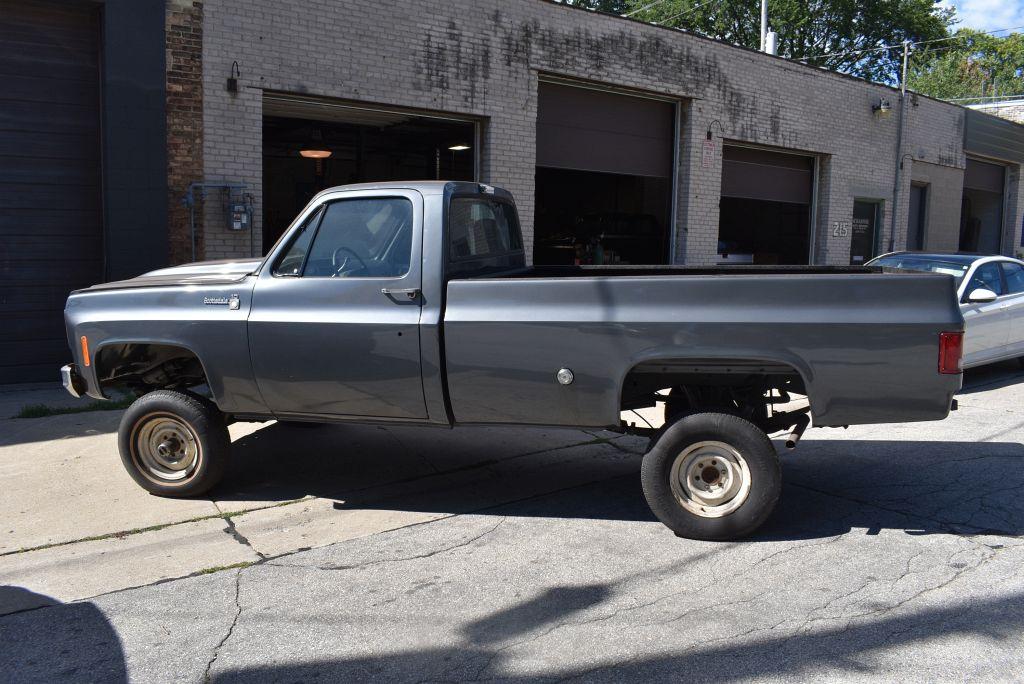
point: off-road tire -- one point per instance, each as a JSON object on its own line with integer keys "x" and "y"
{"x": 175, "y": 413}
{"x": 748, "y": 440}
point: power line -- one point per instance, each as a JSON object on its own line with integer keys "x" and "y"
{"x": 912, "y": 44}
{"x": 683, "y": 13}
{"x": 958, "y": 36}
{"x": 644, "y": 8}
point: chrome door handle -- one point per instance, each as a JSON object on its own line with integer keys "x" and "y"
{"x": 410, "y": 292}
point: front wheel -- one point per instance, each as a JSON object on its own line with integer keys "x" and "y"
{"x": 174, "y": 443}
{"x": 712, "y": 476}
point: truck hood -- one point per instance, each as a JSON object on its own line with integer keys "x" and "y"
{"x": 218, "y": 272}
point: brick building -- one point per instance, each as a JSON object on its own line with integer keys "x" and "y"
{"x": 623, "y": 142}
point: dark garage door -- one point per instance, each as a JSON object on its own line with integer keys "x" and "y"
{"x": 365, "y": 143}
{"x": 765, "y": 208}
{"x": 50, "y": 214}
{"x": 981, "y": 215}
{"x": 604, "y": 176}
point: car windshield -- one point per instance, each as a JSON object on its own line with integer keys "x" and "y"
{"x": 913, "y": 262}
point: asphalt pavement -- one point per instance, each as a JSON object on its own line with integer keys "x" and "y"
{"x": 348, "y": 553}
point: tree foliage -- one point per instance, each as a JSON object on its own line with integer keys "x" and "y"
{"x": 972, "y": 65}
{"x": 607, "y": 6}
{"x": 821, "y": 32}
{"x": 859, "y": 37}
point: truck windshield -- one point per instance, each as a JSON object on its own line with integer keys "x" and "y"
{"x": 911, "y": 262}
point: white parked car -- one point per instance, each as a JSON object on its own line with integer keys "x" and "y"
{"x": 991, "y": 294}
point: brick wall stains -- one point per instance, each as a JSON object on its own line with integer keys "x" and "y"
{"x": 483, "y": 58}
{"x": 445, "y": 59}
{"x": 184, "y": 120}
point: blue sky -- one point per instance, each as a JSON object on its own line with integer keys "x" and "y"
{"x": 988, "y": 15}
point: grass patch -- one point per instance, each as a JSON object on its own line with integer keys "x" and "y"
{"x": 219, "y": 568}
{"x": 42, "y": 410}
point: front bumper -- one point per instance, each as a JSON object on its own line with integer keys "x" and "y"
{"x": 72, "y": 380}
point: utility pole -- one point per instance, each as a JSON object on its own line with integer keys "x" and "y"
{"x": 903, "y": 80}
{"x": 899, "y": 149}
{"x": 764, "y": 23}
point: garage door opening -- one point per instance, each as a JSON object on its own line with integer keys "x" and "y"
{"x": 981, "y": 215}
{"x": 603, "y": 177}
{"x": 765, "y": 208}
{"x": 310, "y": 145}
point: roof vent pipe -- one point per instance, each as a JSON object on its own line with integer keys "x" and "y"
{"x": 771, "y": 43}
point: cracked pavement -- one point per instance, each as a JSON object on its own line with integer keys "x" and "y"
{"x": 505, "y": 555}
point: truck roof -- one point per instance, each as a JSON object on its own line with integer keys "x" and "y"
{"x": 424, "y": 187}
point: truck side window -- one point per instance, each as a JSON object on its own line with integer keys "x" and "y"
{"x": 362, "y": 238}
{"x": 291, "y": 263}
{"x": 481, "y": 228}
{"x": 986, "y": 277}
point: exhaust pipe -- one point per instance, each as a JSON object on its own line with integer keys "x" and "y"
{"x": 798, "y": 431}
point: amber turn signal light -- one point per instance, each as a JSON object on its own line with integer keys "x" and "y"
{"x": 85, "y": 351}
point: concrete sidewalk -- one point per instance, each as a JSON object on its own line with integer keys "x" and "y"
{"x": 75, "y": 525}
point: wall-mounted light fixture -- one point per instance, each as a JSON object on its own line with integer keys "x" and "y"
{"x": 315, "y": 154}
{"x": 882, "y": 109}
{"x": 459, "y": 148}
{"x": 720, "y": 130}
{"x": 235, "y": 74}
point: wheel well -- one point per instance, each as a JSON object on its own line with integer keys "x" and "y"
{"x": 748, "y": 389}
{"x": 142, "y": 367}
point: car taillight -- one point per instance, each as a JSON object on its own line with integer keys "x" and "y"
{"x": 951, "y": 348}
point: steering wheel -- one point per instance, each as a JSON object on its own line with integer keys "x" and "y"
{"x": 340, "y": 261}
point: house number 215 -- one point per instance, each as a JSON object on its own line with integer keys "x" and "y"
{"x": 840, "y": 229}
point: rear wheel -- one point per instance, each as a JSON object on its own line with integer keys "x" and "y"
{"x": 712, "y": 476}
{"x": 174, "y": 443}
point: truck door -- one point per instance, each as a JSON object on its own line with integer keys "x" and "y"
{"x": 334, "y": 327}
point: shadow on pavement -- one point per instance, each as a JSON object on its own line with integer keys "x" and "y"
{"x": 991, "y": 377}
{"x": 59, "y": 643}
{"x": 833, "y": 652}
{"x": 831, "y": 486}
{"x": 15, "y": 431}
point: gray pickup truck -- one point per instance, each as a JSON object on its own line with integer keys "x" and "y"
{"x": 412, "y": 303}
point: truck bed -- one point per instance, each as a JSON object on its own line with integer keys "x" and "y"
{"x": 629, "y": 270}
{"x": 863, "y": 340}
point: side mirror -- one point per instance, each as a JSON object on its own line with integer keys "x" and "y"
{"x": 981, "y": 296}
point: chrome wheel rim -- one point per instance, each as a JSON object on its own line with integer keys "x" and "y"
{"x": 165, "y": 448}
{"x": 710, "y": 479}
